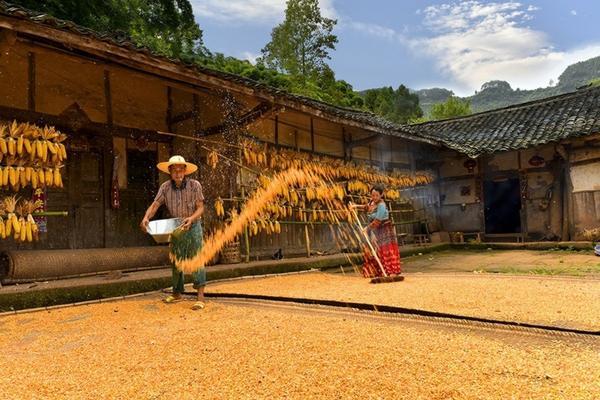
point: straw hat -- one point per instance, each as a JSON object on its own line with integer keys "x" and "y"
{"x": 177, "y": 160}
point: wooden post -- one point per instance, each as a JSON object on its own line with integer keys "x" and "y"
{"x": 108, "y": 98}
{"x": 394, "y": 223}
{"x": 246, "y": 235}
{"x": 31, "y": 81}
{"x": 351, "y": 152}
{"x": 169, "y": 116}
{"x": 276, "y": 129}
{"x": 307, "y": 240}
{"x": 196, "y": 114}
{"x": 312, "y": 135}
{"x": 345, "y": 144}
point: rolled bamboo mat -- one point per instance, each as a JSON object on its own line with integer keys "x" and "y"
{"x": 32, "y": 265}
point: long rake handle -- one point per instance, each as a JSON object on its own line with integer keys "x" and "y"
{"x": 366, "y": 236}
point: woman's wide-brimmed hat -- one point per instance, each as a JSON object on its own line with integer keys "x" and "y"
{"x": 177, "y": 160}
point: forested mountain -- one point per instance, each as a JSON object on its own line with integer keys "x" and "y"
{"x": 496, "y": 94}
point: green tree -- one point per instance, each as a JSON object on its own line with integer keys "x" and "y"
{"x": 453, "y": 107}
{"x": 168, "y": 27}
{"x": 165, "y": 26}
{"x": 398, "y": 105}
{"x": 300, "y": 45}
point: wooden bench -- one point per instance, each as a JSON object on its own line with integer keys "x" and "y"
{"x": 459, "y": 237}
{"x": 401, "y": 238}
{"x": 421, "y": 239}
{"x": 520, "y": 238}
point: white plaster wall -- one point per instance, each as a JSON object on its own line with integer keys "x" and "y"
{"x": 585, "y": 177}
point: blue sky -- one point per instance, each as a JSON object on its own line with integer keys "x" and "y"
{"x": 454, "y": 44}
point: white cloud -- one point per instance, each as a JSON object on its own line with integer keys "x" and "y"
{"x": 250, "y": 56}
{"x": 573, "y": 12}
{"x": 474, "y": 42}
{"x": 371, "y": 29}
{"x": 250, "y": 11}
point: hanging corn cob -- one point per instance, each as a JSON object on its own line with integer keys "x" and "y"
{"x": 3, "y": 143}
{"x": 212, "y": 159}
{"x": 13, "y": 133}
{"x": 219, "y": 208}
{"x": 12, "y": 222}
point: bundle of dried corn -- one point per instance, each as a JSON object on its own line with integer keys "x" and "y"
{"x": 19, "y": 222}
{"x": 348, "y": 181}
{"x": 256, "y": 154}
{"x": 32, "y": 156}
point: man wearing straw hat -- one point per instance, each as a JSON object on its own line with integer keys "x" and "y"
{"x": 183, "y": 198}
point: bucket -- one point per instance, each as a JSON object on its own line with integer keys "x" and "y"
{"x": 230, "y": 254}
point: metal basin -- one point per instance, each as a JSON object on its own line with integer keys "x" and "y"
{"x": 161, "y": 229}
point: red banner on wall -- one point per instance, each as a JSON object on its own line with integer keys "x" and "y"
{"x": 40, "y": 194}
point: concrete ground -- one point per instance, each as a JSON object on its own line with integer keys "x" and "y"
{"x": 538, "y": 262}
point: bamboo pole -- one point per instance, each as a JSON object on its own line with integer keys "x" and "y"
{"x": 50, "y": 214}
{"x": 199, "y": 139}
{"x": 246, "y": 234}
{"x": 307, "y": 240}
{"x": 366, "y": 237}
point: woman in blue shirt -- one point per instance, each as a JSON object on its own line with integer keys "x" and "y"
{"x": 385, "y": 243}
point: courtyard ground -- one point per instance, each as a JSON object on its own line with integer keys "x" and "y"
{"x": 142, "y": 348}
{"x": 537, "y": 262}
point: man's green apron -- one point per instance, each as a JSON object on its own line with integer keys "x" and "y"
{"x": 185, "y": 245}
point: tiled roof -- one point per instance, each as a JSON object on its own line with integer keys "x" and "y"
{"x": 122, "y": 40}
{"x": 518, "y": 126}
{"x": 510, "y": 128}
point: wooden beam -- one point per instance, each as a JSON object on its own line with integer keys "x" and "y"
{"x": 244, "y": 120}
{"x": 587, "y": 161}
{"x": 108, "y": 98}
{"x": 287, "y": 147}
{"x": 184, "y": 116}
{"x": 31, "y": 81}
{"x": 301, "y": 128}
{"x": 96, "y": 128}
{"x": 364, "y": 141}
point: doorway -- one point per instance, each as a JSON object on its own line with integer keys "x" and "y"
{"x": 502, "y": 202}
{"x": 86, "y": 195}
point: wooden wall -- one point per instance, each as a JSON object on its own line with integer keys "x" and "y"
{"x": 558, "y": 198}
{"x": 75, "y": 91}
{"x": 584, "y": 178}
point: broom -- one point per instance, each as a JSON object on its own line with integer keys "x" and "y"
{"x": 378, "y": 279}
